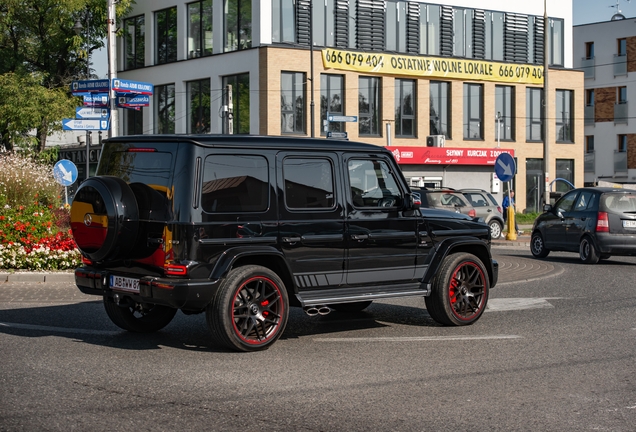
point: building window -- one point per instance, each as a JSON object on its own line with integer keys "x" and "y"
{"x": 440, "y": 108}
{"x": 621, "y": 95}
{"x": 134, "y": 42}
{"x": 324, "y": 16}
{"x": 405, "y": 103}
{"x": 164, "y": 109}
{"x": 589, "y": 97}
{"x": 198, "y": 94}
{"x": 331, "y": 101}
{"x": 283, "y": 21}
{"x": 589, "y": 50}
{"x": 396, "y": 26}
{"x": 555, "y": 29}
{"x": 473, "y": 111}
{"x": 564, "y": 116}
{"x": 241, "y": 100}
{"x": 534, "y": 122}
{"x": 429, "y": 29}
{"x": 565, "y": 171}
{"x": 494, "y": 35}
{"x": 504, "y": 112}
{"x": 369, "y": 108}
{"x": 589, "y": 144}
{"x": 622, "y": 47}
{"x": 134, "y": 122}
{"x": 292, "y": 102}
{"x": 166, "y": 36}
{"x": 200, "y": 29}
{"x": 238, "y": 24}
{"x": 622, "y": 143}
{"x": 534, "y": 185}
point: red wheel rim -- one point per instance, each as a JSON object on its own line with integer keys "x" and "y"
{"x": 257, "y": 310}
{"x": 467, "y": 291}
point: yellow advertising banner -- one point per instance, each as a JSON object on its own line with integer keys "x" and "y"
{"x": 432, "y": 67}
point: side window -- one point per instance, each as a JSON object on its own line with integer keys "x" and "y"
{"x": 477, "y": 200}
{"x": 373, "y": 184}
{"x": 233, "y": 183}
{"x": 585, "y": 201}
{"x": 308, "y": 183}
{"x": 566, "y": 202}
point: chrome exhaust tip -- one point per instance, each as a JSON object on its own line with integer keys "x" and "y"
{"x": 317, "y": 310}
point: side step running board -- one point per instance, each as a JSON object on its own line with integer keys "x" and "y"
{"x": 349, "y": 295}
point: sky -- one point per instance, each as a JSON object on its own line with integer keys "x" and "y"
{"x": 583, "y": 12}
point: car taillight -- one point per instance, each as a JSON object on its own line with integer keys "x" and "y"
{"x": 602, "y": 222}
{"x": 172, "y": 269}
{"x": 499, "y": 210}
{"x": 86, "y": 261}
{"x": 472, "y": 213}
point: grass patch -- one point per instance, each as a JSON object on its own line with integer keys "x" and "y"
{"x": 526, "y": 218}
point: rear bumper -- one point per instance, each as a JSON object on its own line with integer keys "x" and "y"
{"x": 188, "y": 294}
{"x": 619, "y": 244}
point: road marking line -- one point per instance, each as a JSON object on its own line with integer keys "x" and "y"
{"x": 512, "y": 304}
{"x": 415, "y": 338}
{"x": 58, "y": 329}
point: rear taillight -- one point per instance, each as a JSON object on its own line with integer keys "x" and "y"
{"x": 602, "y": 222}
{"x": 472, "y": 213}
{"x": 499, "y": 210}
{"x": 86, "y": 261}
{"x": 172, "y": 269}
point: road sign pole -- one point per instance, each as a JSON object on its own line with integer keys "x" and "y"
{"x": 88, "y": 153}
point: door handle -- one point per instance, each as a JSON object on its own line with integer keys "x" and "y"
{"x": 291, "y": 239}
{"x": 359, "y": 237}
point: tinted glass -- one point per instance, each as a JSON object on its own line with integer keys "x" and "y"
{"x": 619, "y": 202}
{"x": 235, "y": 184}
{"x": 149, "y": 167}
{"x": 308, "y": 183}
{"x": 566, "y": 202}
{"x": 586, "y": 201}
{"x": 371, "y": 181}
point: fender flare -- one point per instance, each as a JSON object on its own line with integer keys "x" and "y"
{"x": 473, "y": 245}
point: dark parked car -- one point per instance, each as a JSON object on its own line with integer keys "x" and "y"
{"x": 242, "y": 228}
{"x": 445, "y": 199}
{"x": 596, "y": 222}
{"x": 487, "y": 208}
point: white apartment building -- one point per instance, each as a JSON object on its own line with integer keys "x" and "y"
{"x": 413, "y": 75}
{"x": 606, "y": 52}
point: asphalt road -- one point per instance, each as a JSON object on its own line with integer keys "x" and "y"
{"x": 554, "y": 352}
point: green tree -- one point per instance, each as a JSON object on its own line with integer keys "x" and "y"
{"x": 38, "y": 37}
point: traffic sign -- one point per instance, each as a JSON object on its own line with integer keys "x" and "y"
{"x": 127, "y": 86}
{"x": 135, "y": 101}
{"x": 75, "y": 124}
{"x": 89, "y": 86}
{"x": 96, "y": 100}
{"x": 505, "y": 167}
{"x": 92, "y": 113}
{"x": 341, "y": 118}
{"x": 65, "y": 172}
{"x": 339, "y": 135}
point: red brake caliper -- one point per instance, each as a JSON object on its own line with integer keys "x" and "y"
{"x": 453, "y": 289}
{"x": 265, "y": 303}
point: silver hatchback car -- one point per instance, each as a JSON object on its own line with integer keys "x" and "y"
{"x": 486, "y": 207}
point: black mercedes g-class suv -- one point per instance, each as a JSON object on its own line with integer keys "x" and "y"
{"x": 243, "y": 227}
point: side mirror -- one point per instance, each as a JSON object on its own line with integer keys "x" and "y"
{"x": 411, "y": 202}
{"x": 547, "y": 207}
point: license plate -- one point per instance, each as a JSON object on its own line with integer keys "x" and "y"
{"x": 629, "y": 224}
{"x": 124, "y": 283}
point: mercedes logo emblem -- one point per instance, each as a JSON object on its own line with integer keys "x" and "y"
{"x": 88, "y": 219}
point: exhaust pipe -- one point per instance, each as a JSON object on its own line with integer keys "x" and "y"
{"x": 317, "y": 310}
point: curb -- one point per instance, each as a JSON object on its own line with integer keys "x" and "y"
{"x": 64, "y": 277}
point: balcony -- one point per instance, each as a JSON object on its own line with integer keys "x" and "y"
{"x": 589, "y": 162}
{"x": 620, "y": 65}
{"x": 620, "y": 162}
{"x": 589, "y": 115}
{"x": 620, "y": 113}
{"x": 589, "y": 66}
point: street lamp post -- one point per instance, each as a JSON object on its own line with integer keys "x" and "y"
{"x": 78, "y": 27}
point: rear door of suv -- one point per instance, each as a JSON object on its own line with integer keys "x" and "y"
{"x": 382, "y": 241}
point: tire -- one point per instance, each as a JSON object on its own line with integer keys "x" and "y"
{"x": 250, "y": 309}
{"x": 587, "y": 251}
{"x": 537, "y": 246}
{"x": 138, "y": 318}
{"x": 459, "y": 290}
{"x": 351, "y": 307}
{"x": 495, "y": 229}
{"x": 604, "y": 257}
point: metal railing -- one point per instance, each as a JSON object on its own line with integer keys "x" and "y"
{"x": 589, "y": 162}
{"x": 589, "y": 66}
{"x": 620, "y": 162}
{"x": 620, "y": 65}
{"x": 620, "y": 112}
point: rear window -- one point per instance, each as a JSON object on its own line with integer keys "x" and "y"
{"x": 619, "y": 202}
{"x": 153, "y": 168}
{"x": 233, "y": 183}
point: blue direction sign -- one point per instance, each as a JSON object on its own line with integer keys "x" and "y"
{"x": 126, "y": 86}
{"x": 92, "y": 113}
{"x": 96, "y": 100}
{"x": 75, "y": 124}
{"x": 136, "y": 101}
{"x": 341, "y": 118}
{"x": 505, "y": 167}
{"x": 65, "y": 172}
{"x": 90, "y": 86}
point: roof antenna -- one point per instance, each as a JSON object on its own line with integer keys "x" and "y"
{"x": 618, "y": 15}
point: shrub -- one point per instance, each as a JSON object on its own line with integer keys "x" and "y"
{"x": 22, "y": 180}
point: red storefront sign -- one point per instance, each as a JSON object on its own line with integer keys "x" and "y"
{"x": 447, "y": 155}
